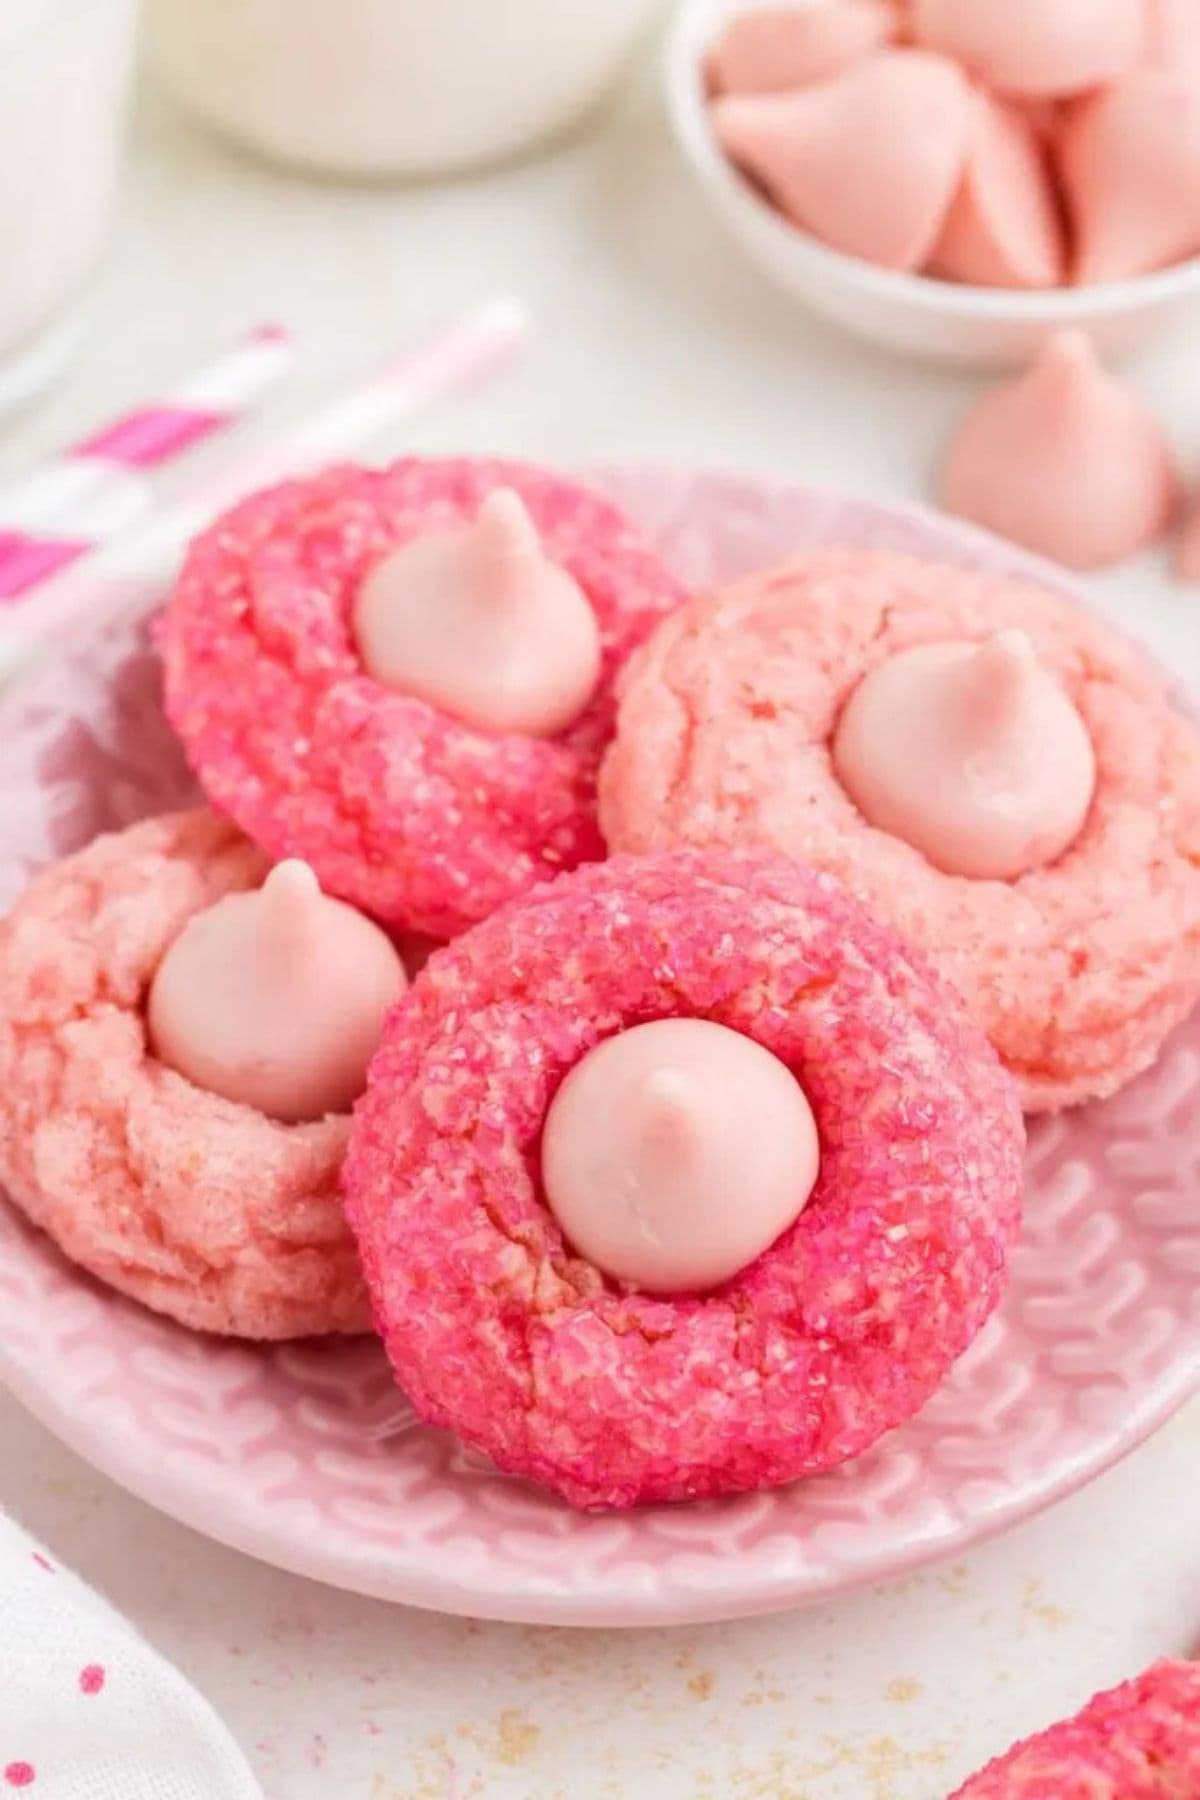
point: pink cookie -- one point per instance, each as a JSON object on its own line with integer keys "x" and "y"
{"x": 1140, "y": 1741}
{"x": 422, "y": 821}
{"x": 1077, "y": 970}
{"x": 197, "y": 1207}
{"x": 840, "y": 1330}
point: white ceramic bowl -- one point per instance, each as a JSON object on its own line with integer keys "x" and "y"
{"x": 983, "y": 327}
{"x": 378, "y": 88}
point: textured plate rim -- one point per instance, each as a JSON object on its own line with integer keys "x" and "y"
{"x": 118, "y": 1458}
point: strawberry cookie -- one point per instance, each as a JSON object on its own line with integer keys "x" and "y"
{"x": 405, "y": 676}
{"x": 999, "y": 773}
{"x": 679, "y": 1178}
{"x": 182, "y": 1033}
{"x": 1141, "y": 1741}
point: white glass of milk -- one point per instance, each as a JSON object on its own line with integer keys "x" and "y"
{"x": 64, "y": 68}
{"x": 392, "y": 87}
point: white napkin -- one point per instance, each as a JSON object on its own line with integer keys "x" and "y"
{"x": 87, "y": 1710}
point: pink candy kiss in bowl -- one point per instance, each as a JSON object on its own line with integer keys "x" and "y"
{"x": 960, "y": 178}
{"x": 307, "y": 1455}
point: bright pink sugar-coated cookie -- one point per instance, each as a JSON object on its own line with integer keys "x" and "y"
{"x": 1141, "y": 1741}
{"x": 415, "y": 817}
{"x": 841, "y": 1329}
{"x": 1077, "y": 970}
{"x": 199, "y": 1208}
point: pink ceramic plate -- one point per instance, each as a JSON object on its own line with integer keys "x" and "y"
{"x": 308, "y": 1457}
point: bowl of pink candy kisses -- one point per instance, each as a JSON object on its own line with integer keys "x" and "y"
{"x": 954, "y": 178}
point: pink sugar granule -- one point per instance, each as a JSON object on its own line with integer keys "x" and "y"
{"x": 420, "y": 820}
{"x": 1137, "y": 1742}
{"x": 1076, "y": 971}
{"x": 838, "y": 1332}
{"x": 201, "y": 1209}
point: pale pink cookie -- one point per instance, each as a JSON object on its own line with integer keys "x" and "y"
{"x": 1076, "y": 970}
{"x": 838, "y": 1331}
{"x": 1140, "y": 1741}
{"x": 198, "y": 1207}
{"x": 418, "y": 818}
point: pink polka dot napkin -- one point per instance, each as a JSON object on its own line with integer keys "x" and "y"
{"x": 88, "y": 1711}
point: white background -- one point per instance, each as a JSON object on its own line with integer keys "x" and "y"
{"x": 654, "y": 342}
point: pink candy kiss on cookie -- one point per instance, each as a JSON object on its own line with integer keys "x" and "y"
{"x": 972, "y": 753}
{"x": 1078, "y": 969}
{"x": 868, "y": 161}
{"x": 1042, "y": 47}
{"x": 480, "y": 622}
{"x": 646, "y": 1143}
{"x": 1063, "y": 460}
{"x": 841, "y": 1322}
{"x": 779, "y": 47}
{"x": 424, "y": 821}
{"x": 216, "y": 1214}
{"x": 276, "y": 998}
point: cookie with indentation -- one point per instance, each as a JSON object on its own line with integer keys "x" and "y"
{"x": 1078, "y": 959}
{"x": 405, "y": 676}
{"x": 607, "y": 1383}
{"x": 199, "y": 1206}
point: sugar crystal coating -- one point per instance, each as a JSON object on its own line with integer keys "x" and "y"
{"x": 1140, "y": 1741}
{"x": 410, "y": 814}
{"x": 842, "y": 1329}
{"x": 200, "y": 1208}
{"x": 1077, "y": 970}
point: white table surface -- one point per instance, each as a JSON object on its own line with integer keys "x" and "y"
{"x": 654, "y": 342}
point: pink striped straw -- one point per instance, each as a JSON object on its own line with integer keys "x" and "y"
{"x": 142, "y": 563}
{"x": 96, "y": 488}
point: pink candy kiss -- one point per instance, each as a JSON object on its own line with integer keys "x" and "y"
{"x": 1083, "y": 129}
{"x": 868, "y": 161}
{"x": 276, "y": 998}
{"x": 1187, "y": 555}
{"x": 971, "y": 753}
{"x": 1041, "y": 47}
{"x": 1063, "y": 460}
{"x": 781, "y": 47}
{"x": 1003, "y": 228}
{"x": 480, "y": 623}
{"x": 1173, "y": 36}
{"x": 1130, "y": 163}
{"x": 677, "y": 1152}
